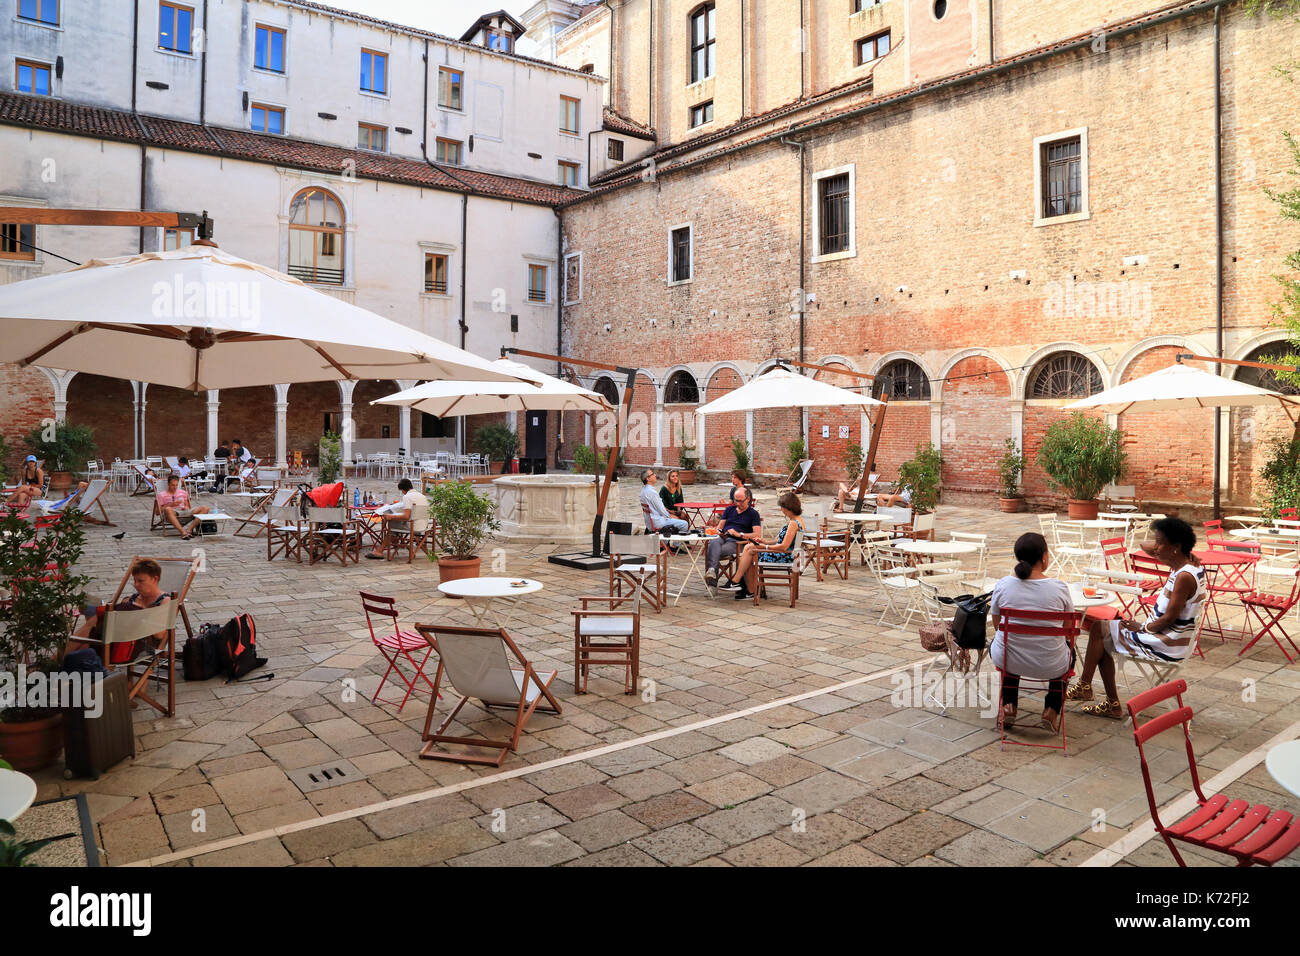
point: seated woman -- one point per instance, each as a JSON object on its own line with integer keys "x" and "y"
{"x": 1169, "y": 630}
{"x": 902, "y": 499}
{"x": 145, "y": 576}
{"x": 782, "y": 549}
{"x": 672, "y": 495}
{"x": 30, "y": 482}
{"x": 1034, "y": 657}
{"x": 844, "y": 492}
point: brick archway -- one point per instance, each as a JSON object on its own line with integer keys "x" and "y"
{"x": 720, "y": 429}
{"x": 30, "y": 400}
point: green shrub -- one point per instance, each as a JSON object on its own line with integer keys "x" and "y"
{"x": 853, "y": 459}
{"x": 331, "y": 457}
{"x": 795, "y": 452}
{"x": 1280, "y": 478}
{"x": 740, "y": 453}
{"x": 61, "y": 446}
{"x": 1010, "y": 467}
{"x": 497, "y": 441}
{"x": 464, "y": 518}
{"x": 924, "y": 473}
{"x": 1081, "y": 455}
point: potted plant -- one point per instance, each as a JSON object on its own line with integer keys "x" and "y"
{"x": 464, "y": 518}
{"x": 1280, "y": 478}
{"x": 1010, "y": 467}
{"x": 740, "y": 452}
{"x": 1081, "y": 455}
{"x": 795, "y": 452}
{"x": 687, "y": 459}
{"x": 34, "y": 625}
{"x": 853, "y": 460}
{"x": 64, "y": 448}
{"x": 924, "y": 473}
{"x": 331, "y": 457}
{"x": 499, "y": 443}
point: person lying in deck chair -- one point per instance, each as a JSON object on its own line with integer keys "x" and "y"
{"x": 174, "y": 504}
{"x": 844, "y": 492}
{"x": 81, "y": 656}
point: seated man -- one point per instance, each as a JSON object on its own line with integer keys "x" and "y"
{"x": 174, "y": 504}
{"x": 145, "y": 577}
{"x": 844, "y": 492}
{"x": 412, "y": 515}
{"x": 221, "y": 458}
{"x": 659, "y": 518}
{"x": 740, "y": 525}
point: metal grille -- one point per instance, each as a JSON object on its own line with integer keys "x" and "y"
{"x": 1273, "y": 353}
{"x": 903, "y": 381}
{"x": 1062, "y": 178}
{"x": 681, "y": 254}
{"x": 681, "y": 390}
{"x": 834, "y": 201}
{"x": 317, "y": 274}
{"x": 1064, "y": 375}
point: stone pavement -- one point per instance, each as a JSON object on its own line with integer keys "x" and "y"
{"x": 768, "y": 736}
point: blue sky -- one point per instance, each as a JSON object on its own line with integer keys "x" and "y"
{"x": 448, "y": 17}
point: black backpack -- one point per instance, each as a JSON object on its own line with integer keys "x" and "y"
{"x": 238, "y": 647}
{"x": 201, "y": 655}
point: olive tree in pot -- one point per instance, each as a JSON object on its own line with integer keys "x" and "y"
{"x": 464, "y": 518}
{"x": 499, "y": 443}
{"x": 924, "y": 472}
{"x": 687, "y": 458}
{"x": 1081, "y": 455}
{"x": 1010, "y": 467}
{"x": 64, "y": 448}
{"x": 34, "y": 625}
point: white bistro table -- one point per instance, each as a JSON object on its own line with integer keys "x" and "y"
{"x": 936, "y": 549}
{"x": 857, "y": 520}
{"x": 17, "y": 791}
{"x": 483, "y": 597}
{"x": 1083, "y": 601}
{"x": 1283, "y": 763}
{"x": 696, "y": 545}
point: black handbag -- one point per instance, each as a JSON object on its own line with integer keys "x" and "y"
{"x": 970, "y": 621}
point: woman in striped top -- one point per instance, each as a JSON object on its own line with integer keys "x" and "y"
{"x": 1170, "y": 630}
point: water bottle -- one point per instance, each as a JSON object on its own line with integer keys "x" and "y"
{"x": 356, "y": 497}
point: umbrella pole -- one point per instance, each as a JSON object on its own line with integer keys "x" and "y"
{"x": 870, "y": 465}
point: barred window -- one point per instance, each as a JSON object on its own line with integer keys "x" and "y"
{"x": 1274, "y": 354}
{"x": 682, "y": 389}
{"x": 833, "y": 196}
{"x": 1062, "y": 177}
{"x": 1064, "y": 375}
{"x": 606, "y": 389}
{"x": 903, "y": 381}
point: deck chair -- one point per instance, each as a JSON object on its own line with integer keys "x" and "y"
{"x": 1048, "y": 624}
{"x": 608, "y": 635}
{"x": 481, "y": 663}
{"x": 1251, "y": 835}
{"x": 44, "y": 507}
{"x": 393, "y": 647}
{"x": 158, "y": 522}
{"x": 328, "y": 536}
{"x": 286, "y": 530}
{"x": 134, "y": 626}
{"x": 177, "y": 577}
{"x": 782, "y": 574}
{"x": 145, "y": 483}
{"x": 93, "y": 497}
{"x": 260, "y": 518}
{"x": 629, "y": 556}
{"x": 1121, "y": 498}
{"x": 798, "y": 478}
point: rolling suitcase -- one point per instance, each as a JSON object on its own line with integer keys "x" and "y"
{"x": 92, "y": 745}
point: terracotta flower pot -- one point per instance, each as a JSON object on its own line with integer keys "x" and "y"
{"x": 32, "y": 745}
{"x": 1011, "y": 505}
{"x": 1082, "y": 510}
{"x": 453, "y": 569}
{"x": 686, "y": 476}
{"x": 61, "y": 481}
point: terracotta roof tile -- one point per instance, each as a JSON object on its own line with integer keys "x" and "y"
{"x": 621, "y": 124}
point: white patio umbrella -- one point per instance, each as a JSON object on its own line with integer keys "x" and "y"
{"x": 782, "y": 388}
{"x": 540, "y": 391}
{"x": 1180, "y": 387}
{"x": 200, "y": 318}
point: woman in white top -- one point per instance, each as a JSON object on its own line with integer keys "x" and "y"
{"x": 1032, "y": 656}
{"x": 1170, "y": 628}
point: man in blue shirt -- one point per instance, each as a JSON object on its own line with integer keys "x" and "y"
{"x": 740, "y": 525}
{"x": 658, "y": 517}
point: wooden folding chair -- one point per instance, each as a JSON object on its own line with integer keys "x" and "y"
{"x": 259, "y": 517}
{"x": 1064, "y": 624}
{"x": 647, "y": 555}
{"x": 413, "y": 540}
{"x": 620, "y": 629}
{"x": 329, "y": 536}
{"x": 145, "y": 484}
{"x": 286, "y": 531}
{"x": 393, "y": 647}
{"x": 1250, "y": 835}
{"x": 781, "y": 574}
{"x": 480, "y": 663}
{"x": 829, "y": 550}
{"x": 93, "y": 497}
{"x": 138, "y": 626}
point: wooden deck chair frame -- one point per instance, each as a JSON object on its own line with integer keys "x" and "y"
{"x": 286, "y": 530}
{"x": 653, "y": 554}
{"x": 177, "y": 578}
{"x": 523, "y": 709}
{"x": 93, "y": 497}
{"x": 143, "y": 484}
{"x": 1049, "y": 623}
{"x": 588, "y": 653}
{"x": 157, "y": 522}
{"x": 125, "y": 626}
{"x": 279, "y": 498}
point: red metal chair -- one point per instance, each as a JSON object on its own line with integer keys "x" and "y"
{"x": 1232, "y": 581}
{"x": 1251, "y": 835}
{"x": 1269, "y": 610}
{"x": 397, "y": 645}
{"x": 1110, "y": 548}
{"x": 1054, "y": 624}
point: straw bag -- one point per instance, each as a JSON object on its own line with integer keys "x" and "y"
{"x": 934, "y": 636}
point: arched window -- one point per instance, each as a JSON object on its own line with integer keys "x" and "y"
{"x": 316, "y": 237}
{"x": 682, "y": 389}
{"x": 903, "y": 381}
{"x": 1064, "y": 375}
{"x": 1273, "y": 352}
{"x": 704, "y": 36}
{"x": 606, "y": 389}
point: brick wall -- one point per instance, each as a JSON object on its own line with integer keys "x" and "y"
{"x": 720, "y": 429}
{"x": 105, "y": 404}
{"x": 29, "y": 400}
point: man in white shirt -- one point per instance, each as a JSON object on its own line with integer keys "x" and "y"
{"x": 659, "y": 518}
{"x": 411, "y": 514}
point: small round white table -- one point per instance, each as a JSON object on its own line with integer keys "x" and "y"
{"x": 17, "y": 791}
{"x": 857, "y": 519}
{"x": 1083, "y": 601}
{"x": 1283, "y": 763}
{"x": 696, "y": 545}
{"x": 935, "y": 549}
{"x": 1098, "y": 523}
{"x": 482, "y": 595}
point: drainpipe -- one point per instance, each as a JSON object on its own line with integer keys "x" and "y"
{"x": 560, "y": 278}
{"x": 1218, "y": 249}
{"x": 143, "y": 177}
{"x": 651, "y": 72}
{"x": 203, "y": 70}
{"x": 743, "y": 70}
{"x": 610, "y": 7}
{"x": 990, "y": 31}
{"x": 803, "y": 293}
{"x": 135, "y": 48}
{"x": 424, "y": 111}
{"x": 803, "y": 81}
{"x": 464, "y": 259}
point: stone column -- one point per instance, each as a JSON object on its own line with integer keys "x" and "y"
{"x": 214, "y": 432}
{"x": 346, "y": 388}
{"x": 139, "y": 389}
{"x": 936, "y": 423}
{"x": 404, "y": 417}
{"x": 281, "y": 426}
{"x": 1018, "y": 423}
{"x": 659, "y": 434}
{"x": 749, "y": 438}
{"x": 59, "y": 380}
